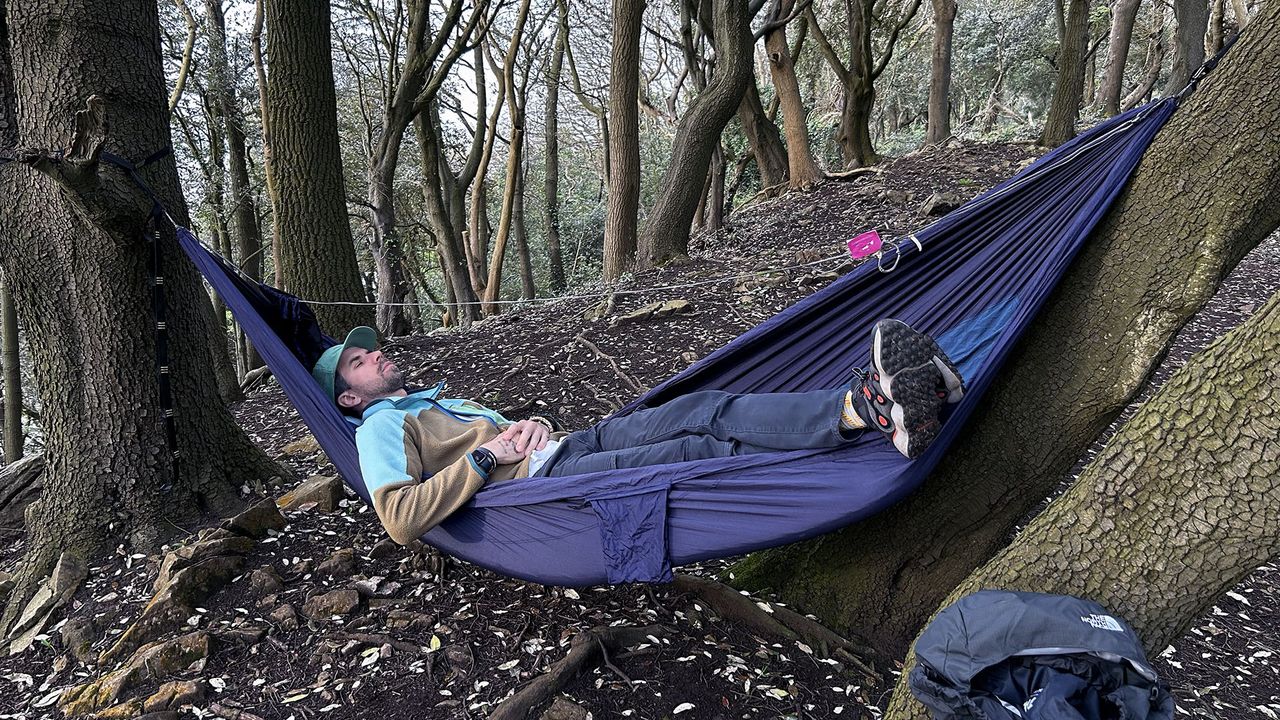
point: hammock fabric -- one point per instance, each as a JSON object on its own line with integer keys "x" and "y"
{"x": 976, "y": 281}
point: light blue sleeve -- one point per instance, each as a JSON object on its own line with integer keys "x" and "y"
{"x": 381, "y": 444}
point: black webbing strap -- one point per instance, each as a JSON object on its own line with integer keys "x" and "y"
{"x": 159, "y": 308}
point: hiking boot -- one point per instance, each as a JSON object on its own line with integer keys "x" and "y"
{"x": 896, "y": 344}
{"x": 905, "y": 370}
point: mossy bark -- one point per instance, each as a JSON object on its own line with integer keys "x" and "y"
{"x": 1159, "y": 254}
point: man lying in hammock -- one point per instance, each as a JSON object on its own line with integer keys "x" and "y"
{"x": 423, "y": 456}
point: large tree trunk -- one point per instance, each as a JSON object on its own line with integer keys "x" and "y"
{"x": 762, "y": 136}
{"x": 944, "y": 26}
{"x": 82, "y": 292}
{"x": 1172, "y": 236}
{"x": 621, "y": 214}
{"x": 317, "y": 254}
{"x": 1176, "y": 509}
{"x": 551, "y": 187}
{"x": 1192, "y": 19}
{"x": 666, "y": 233}
{"x": 1060, "y": 121}
{"x": 243, "y": 206}
{"x": 1123, "y": 15}
{"x": 803, "y": 170}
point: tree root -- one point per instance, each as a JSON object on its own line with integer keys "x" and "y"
{"x": 617, "y": 369}
{"x": 585, "y": 650}
{"x": 779, "y": 622}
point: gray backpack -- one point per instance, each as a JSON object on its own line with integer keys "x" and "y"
{"x": 1003, "y": 655}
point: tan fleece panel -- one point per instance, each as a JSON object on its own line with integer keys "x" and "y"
{"x": 438, "y": 446}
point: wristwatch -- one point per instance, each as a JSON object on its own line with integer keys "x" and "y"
{"x": 485, "y": 460}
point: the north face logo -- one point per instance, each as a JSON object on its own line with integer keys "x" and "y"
{"x": 1102, "y": 622}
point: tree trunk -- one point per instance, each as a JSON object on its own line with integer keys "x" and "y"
{"x": 13, "y": 437}
{"x": 623, "y": 208}
{"x": 82, "y": 292}
{"x": 1170, "y": 515}
{"x": 1192, "y": 19}
{"x": 555, "y": 262}
{"x": 268, "y": 168}
{"x": 317, "y": 254}
{"x": 10, "y": 373}
{"x": 418, "y": 80}
{"x": 762, "y": 136}
{"x": 516, "y": 103}
{"x": 854, "y": 134}
{"x": 944, "y": 25}
{"x": 1123, "y": 15}
{"x": 1154, "y": 59}
{"x": 1213, "y": 37}
{"x": 447, "y": 226}
{"x": 520, "y": 234}
{"x": 1173, "y": 234}
{"x": 666, "y": 234}
{"x": 1240, "y": 9}
{"x": 803, "y": 170}
{"x": 1060, "y": 121}
{"x": 243, "y": 208}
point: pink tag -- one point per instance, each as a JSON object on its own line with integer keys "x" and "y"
{"x": 865, "y": 244}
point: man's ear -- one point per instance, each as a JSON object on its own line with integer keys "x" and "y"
{"x": 348, "y": 399}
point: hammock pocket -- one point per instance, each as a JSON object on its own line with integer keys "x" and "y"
{"x": 975, "y": 282}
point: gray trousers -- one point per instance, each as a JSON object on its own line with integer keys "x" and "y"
{"x": 704, "y": 425}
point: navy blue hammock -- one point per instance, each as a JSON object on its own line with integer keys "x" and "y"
{"x": 975, "y": 281}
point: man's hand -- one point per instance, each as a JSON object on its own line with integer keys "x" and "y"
{"x": 528, "y": 436}
{"x": 517, "y": 441}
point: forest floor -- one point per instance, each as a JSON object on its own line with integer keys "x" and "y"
{"x": 433, "y": 637}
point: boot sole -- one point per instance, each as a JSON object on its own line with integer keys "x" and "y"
{"x": 896, "y": 347}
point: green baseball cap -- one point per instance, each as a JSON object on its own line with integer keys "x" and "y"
{"x": 325, "y": 368}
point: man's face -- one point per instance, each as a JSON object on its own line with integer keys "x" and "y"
{"x": 370, "y": 376}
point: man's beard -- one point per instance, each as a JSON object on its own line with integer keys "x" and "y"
{"x": 391, "y": 381}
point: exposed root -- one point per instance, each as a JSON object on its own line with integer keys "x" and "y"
{"x": 855, "y": 173}
{"x": 585, "y": 650}
{"x": 779, "y": 623}
{"x": 617, "y": 369}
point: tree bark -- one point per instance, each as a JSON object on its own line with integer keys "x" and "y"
{"x": 621, "y": 214}
{"x": 857, "y": 80}
{"x": 268, "y": 171}
{"x": 1161, "y": 251}
{"x": 1171, "y": 514}
{"x": 516, "y": 101}
{"x": 520, "y": 234}
{"x": 1154, "y": 59}
{"x": 9, "y": 370}
{"x": 666, "y": 233}
{"x": 1123, "y": 15}
{"x": 1192, "y": 19}
{"x": 1213, "y": 36}
{"x": 317, "y": 253}
{"x": 551, "y": 188}
{"x": 243, "y": 206}
{"x": 803, "y": 170}
{"x": 944, "y": 26}
{"x": 446, "y": 225}
{"x": 76, "y": 254}
{"x": 419, "y": 79}
{"x": 13, "y": 436}
{"x": 1060, "y": 121}
{"x": 763, "y": 138}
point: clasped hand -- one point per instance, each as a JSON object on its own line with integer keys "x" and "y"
{"x": 517, "y": 441}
